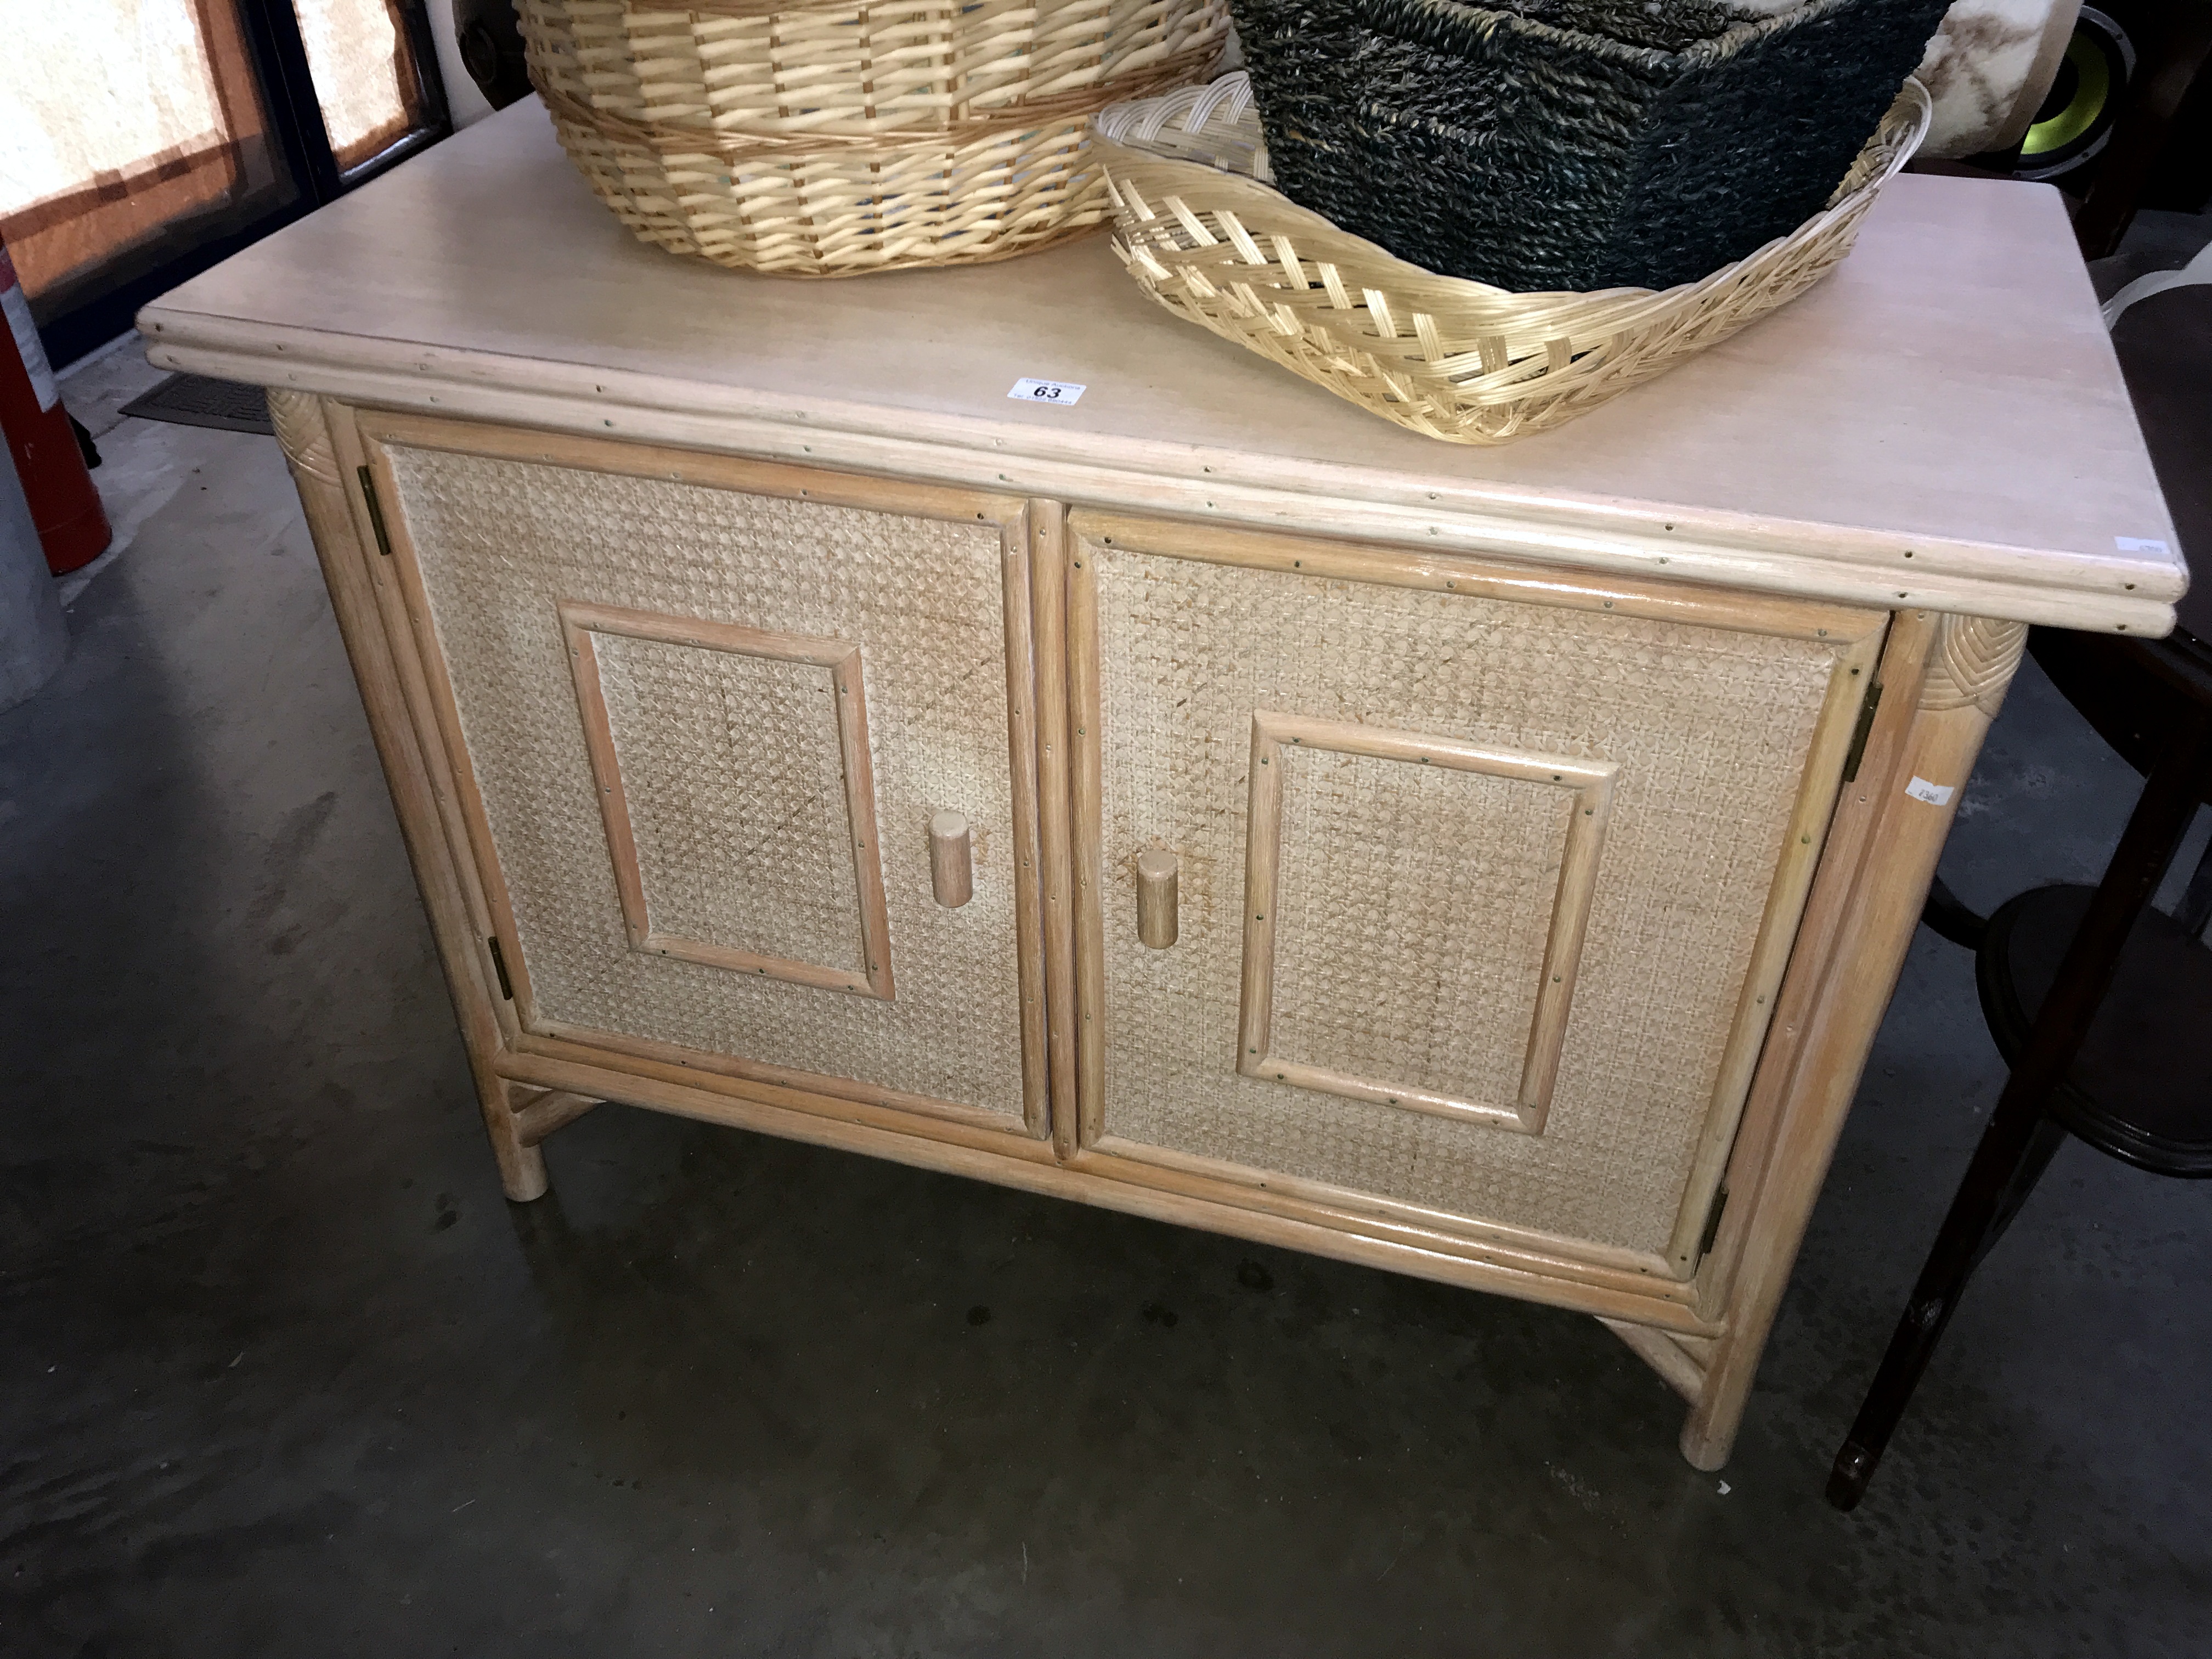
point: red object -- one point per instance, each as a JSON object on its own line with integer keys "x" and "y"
{"x": 65, "y": 506}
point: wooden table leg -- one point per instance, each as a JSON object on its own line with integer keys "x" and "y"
{"x": 2019, "y": 1140}
{"x": 2194, "y": 911}
{"x": 1949, "y": 916}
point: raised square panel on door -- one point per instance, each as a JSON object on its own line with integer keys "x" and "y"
{"x": 1322, "y": 1008}
{"x": 779, "y": 872}
{"x": 700, "y": 713}
{"x": 1486, "y": 879}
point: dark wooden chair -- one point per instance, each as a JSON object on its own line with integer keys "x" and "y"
{"x": 2101, "y": 1006}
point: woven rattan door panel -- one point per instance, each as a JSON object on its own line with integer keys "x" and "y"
{"x": 703, "y": 712}
{"x": 1485, "y": 883}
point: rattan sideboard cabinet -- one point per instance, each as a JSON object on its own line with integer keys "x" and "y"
{"x": 1202, "y": 800}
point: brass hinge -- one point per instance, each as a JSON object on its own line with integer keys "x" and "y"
{"x": 499, "y": 963}
{"x": 1860, "y": 732}
{"x": 1712, "y": 1223}
{"x": 375, "y": 511}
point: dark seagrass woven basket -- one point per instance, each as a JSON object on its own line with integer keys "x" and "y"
{"x": 1572, "y": 144}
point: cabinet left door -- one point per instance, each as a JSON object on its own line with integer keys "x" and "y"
{"x": 744, "y": 755}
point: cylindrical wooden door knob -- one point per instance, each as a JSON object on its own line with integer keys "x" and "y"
{"x": 1157, "y": 874}
{"x": 951, "y": 869}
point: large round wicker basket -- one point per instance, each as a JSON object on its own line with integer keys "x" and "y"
{"x": 1199, "y": 228}
{"x": 827, "y": 138}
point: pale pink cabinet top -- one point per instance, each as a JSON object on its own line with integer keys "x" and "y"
{"x": 1939, "y": 424}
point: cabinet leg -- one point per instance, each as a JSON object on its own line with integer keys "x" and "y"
{"x": 519, "y": 1116}
{"x": 1709, "y": 1431}
{"x": 1946, "y": 676}
{"x": 313, "y": 448}
{"x": 521, "y": 1165}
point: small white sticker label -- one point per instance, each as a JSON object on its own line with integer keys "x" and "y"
{"x": 1935, "y": 794}
{"x": 1046, "y": 392}
{"x": 2139, "y": 544}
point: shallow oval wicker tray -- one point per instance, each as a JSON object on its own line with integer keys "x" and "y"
{"x": 828, "y": 138}
{"x": 1204, "y": 235}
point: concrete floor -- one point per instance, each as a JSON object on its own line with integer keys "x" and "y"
{"x": 281, "y": 1373}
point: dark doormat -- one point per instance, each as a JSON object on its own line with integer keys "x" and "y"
{"x": 197, "y": 400}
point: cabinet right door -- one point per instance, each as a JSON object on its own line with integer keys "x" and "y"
{"x": 1484, "y": 879}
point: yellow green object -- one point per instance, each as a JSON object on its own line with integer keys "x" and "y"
{"x": 2093, "y": 88}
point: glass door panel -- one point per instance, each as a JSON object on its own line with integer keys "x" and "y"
{"x": 363, "y": 56}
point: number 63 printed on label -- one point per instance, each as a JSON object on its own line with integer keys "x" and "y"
{"x": 1046, "y": 392}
